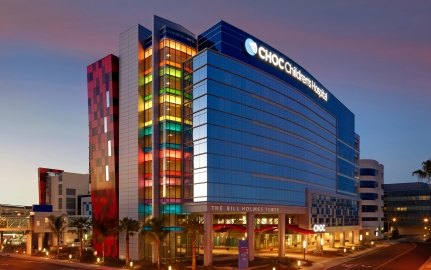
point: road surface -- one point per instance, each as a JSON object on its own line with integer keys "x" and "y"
{"x": 407, "y": 255}
{"x": 11, "y": 263}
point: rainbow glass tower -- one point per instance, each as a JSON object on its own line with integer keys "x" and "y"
{"x": 150, "y": 131}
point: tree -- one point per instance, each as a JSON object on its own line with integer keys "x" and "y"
{"x": 82, "y": 224}
{"x": 153, "y": 228}
{"x": 130, "y": 227}
{"x": 58, "y": 225}
{"x": 192, "y": 225}
{"x": 102, "y": 230}
{"x": 425, "y": 172}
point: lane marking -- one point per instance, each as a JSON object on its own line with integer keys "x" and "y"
{"x": 353, "y": 265}
{"x": 399, "y": 255}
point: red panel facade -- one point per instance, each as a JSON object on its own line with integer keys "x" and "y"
{"x": 102, "y": 82}
{"x": 42, "y": 174}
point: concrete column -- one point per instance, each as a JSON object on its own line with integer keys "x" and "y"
{"x": 29, "y": 243}
{"x": 250, "y": 235}
{"x": 40, "y": 241}
{"x": 356, "y": 237}
{"x": 208, "y": 239}
{"x": 351, "y": 238}
{"x": 319, "y": 246}
{"x": 342, "y": 241}
{"x": 281, "y": 234}
{"x": 54, "y": 241}
{"x": 331, "y": 240}
{"x": 258, "y": 238}
{"x": 155, "y": 252}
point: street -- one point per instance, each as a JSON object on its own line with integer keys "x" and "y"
{"x": 407, "y": 255}
{"x": 9, "y": 263}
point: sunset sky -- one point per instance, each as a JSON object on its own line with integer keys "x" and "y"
{"x": 374, "y": 56}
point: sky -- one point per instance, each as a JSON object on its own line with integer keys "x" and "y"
{"x": 374, "y": 56}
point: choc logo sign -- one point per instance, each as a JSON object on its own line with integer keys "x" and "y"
{"x": 319, "y": 228}
{"x": 279, "y": 62}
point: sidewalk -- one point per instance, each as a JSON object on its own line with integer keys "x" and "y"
{"x": 59, "y": 262}
{"x": 426, "y": 265}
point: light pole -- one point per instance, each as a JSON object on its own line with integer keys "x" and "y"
{"x": 390, "y": 230}
{"x": 304, "y": 247}
{"x": 426, "y": 227}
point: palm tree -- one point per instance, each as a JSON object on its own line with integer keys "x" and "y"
{"x": 103, "y": 229}
{"x": 153, "y": 228}
{"x": 193, "y": 226}
{"x": 82, "y": 224}
{"x": 58, "y": 225}
{"x": 425, "y": 172}
{"x": 130, "y": 226}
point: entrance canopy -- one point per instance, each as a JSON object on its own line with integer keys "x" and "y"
{"x": 242, "y": 228}
{"x": 298, "y": 229}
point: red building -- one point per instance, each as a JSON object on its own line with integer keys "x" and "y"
{"x": 102, "y": 82}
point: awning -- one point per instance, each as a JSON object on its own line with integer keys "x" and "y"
{"x": 241, "y": 228}
{"x": 230, "y": 227}
{"x": 265, "y": 228}
{"x": 298, "y": 229}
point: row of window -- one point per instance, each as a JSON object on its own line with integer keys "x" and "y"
{"x": 368, "y": 184}
{"x": 369, "y": 196}
{"x": 368, "y": 172}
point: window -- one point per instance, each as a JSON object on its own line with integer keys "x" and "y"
{"x": 106, "y": 173}
{"x": 46, "y": 220}
{"x": 370, "y": 219}
{"x": 368, "y": 184}
{"x": 107, "y": 99}
{"x": 109, "y": 148}
{"x": 60, "y": 203}
{"x": 369, "y": 196}
{"x": 70, "y": 192}
{"x": 368, "y": 172}
{"x": 369, "y": 208}
{"x": 38, "y": 223}
{"x": 105, "y": 124}
{"x": 71, "y": 206}
{"x": 60, "y": 189}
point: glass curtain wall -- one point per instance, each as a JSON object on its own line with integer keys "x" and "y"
{"x": 171, "y": 56}
{"x": 145, "y": 130}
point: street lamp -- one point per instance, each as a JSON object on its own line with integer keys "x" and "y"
{"x": 426, "y": 226}
{"x": 390, "y": 229}
{"x": 321, "y": 243}
{"x": 304, "y": 246}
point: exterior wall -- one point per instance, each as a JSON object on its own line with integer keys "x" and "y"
{"x": 43, "y": 176}
{"x": 61, "y": 189}
{"x": 73, "y": 185}
{"x": 249, "y": 145}
{"x": 371, "y": 182}
{"x": 102, "y": 78}
{"x": 230, "y": 40}
{"x": 131, "y": 42}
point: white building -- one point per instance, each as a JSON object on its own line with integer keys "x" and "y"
{"x": 371, "y": 191}
{"x": 61, "y": 190}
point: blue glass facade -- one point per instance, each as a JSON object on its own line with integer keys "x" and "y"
{"x": 259, "y": 135}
